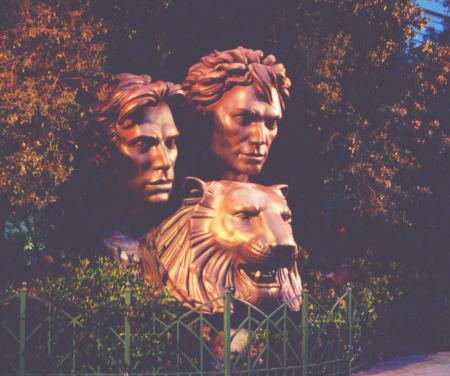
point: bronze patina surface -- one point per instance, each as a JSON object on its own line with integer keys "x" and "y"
{"x": 226, "y": 235}
{"x": 136, "y": 142}
{"x": 141, "y": 128}
{"x": 239, "y": 96}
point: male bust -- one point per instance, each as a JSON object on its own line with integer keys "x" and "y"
{"x": 238, "y": 97}
{"x": 133, "y": 148}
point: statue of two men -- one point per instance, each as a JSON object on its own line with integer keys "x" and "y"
{"x": 237, "y": 98}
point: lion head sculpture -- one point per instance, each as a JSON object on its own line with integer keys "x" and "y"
{"x": 226, "y": 235}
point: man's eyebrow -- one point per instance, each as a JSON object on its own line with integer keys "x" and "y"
{"x": 171, "y": 132}
{"x": 175, "y": 136}
{"x": 143, "y": 138}
{"x": 244, "y": 111}
{"x": 257, "y": 114}
{"x": 274, "y": 115}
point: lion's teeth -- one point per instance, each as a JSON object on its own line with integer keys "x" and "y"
{"x": 258, "y": 273}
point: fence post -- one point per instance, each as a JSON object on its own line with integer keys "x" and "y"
{"x": 305, "y": 333}
{"x": 350, "y": 326}
{"x": 227, "y": 333}
{"x": 22, "y": 321}
{"x": 127, "y": 328}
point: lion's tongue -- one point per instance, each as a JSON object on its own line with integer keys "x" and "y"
{"x": 290, "y": 291}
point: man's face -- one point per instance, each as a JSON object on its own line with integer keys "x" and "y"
{"x": 245, "y": 124}
{"x": 147, "y": 139}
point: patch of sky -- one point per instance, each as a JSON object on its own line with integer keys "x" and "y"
{"x": 435, "y": 11}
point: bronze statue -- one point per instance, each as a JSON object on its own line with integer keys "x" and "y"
{"x": 239, "y": 98}
{"x": 139, "y": 125}
{"x": 226, "y": 235}
{"x": 132, "y": 151}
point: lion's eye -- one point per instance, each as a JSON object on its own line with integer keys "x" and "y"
{"x": 287, "y": 217}
{"x": 246, "y": 215}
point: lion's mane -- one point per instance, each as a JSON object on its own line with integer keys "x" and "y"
{"x": 189, "y": 255}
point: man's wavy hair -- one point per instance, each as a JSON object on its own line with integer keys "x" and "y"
{"x": 219, "y": 71}
{"x": 123, "y": 95}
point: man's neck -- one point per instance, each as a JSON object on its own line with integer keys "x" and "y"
{"x": 137, "y": 217}
{"x": 234, "y": 176}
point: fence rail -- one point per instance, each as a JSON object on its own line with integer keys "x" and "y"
{"x": 39, "y": 338}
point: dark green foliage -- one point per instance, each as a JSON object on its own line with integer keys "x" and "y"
{"x": 411, "y": 306}
{"x": 77, "y": 322}
{"x": 93, "y": 292}
{"x": 51, "y": 58}
{"x": 408, "y": 307}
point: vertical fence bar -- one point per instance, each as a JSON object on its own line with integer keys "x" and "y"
{"x": 178, "y": 347}
{"x": 127, "y": 329}
{"x": 267, "y": 341}
{"x": 74, "y": 345}
{"x": 227, "y": 333}
{"x": 49, "y": 332}
{"x": 22, "y": 321}
{"x": 201, "y": 345}
{"x": 285, "y": 339}
{"x": 249, "y": 331}
{"x": 154, "y": 335}
{"x": 98, "y": 354}
{"x": 350, "y": 327}
{"x": 305, "y": 333}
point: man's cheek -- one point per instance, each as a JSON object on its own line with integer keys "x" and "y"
{"x": 173, "y": 157}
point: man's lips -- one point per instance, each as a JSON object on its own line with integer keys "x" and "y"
{"x": 252, "y": 156}
{"x": 158, "y": 186}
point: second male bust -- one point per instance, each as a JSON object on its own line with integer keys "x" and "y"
{"x": 238, "y": 97}
{"x": 135, "y": 146}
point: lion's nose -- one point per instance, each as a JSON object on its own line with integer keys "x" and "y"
{"x": 283, "y": 254}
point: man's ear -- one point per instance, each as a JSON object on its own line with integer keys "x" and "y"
{"x": 281, "y": 189}
{"x": 194, "y": 188}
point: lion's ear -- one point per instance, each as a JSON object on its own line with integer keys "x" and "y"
{"x": 194, "y": 189}
{"x": 281, "y": 189}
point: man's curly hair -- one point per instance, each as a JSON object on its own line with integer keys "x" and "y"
{"x": 219, "y": 71}
{"x": 125, "y": 94}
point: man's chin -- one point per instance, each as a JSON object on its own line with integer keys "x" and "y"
{"x": 157, "y": 198}
{"x": 251, "y": 170}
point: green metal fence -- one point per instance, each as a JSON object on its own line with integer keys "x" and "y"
{"x": 38, "y": 338}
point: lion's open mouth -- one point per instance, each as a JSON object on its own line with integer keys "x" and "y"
{"x": 265, "y": 274}
{"x": 266, "y": 271}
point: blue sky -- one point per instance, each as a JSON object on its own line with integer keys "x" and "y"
{"x": 434, "y": 6}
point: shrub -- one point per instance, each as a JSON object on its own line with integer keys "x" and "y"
{"x": 406, "y": 307}
{"x": 87, "y": 299}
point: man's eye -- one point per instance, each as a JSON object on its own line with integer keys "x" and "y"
{"x": 127, "y": 123}
{"x": 271, "y": 124}
{"x": 287, "y": 217}
{"x": 171, "y": 143}
{"x": 244, "y": 119}
{"x": 143, "y": 146}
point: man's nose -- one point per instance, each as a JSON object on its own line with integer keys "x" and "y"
{"x": 160, "y": 159}
{"x": 258, "y": 133}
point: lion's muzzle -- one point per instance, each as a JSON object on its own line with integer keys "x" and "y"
{"x": 283, "y": 255}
